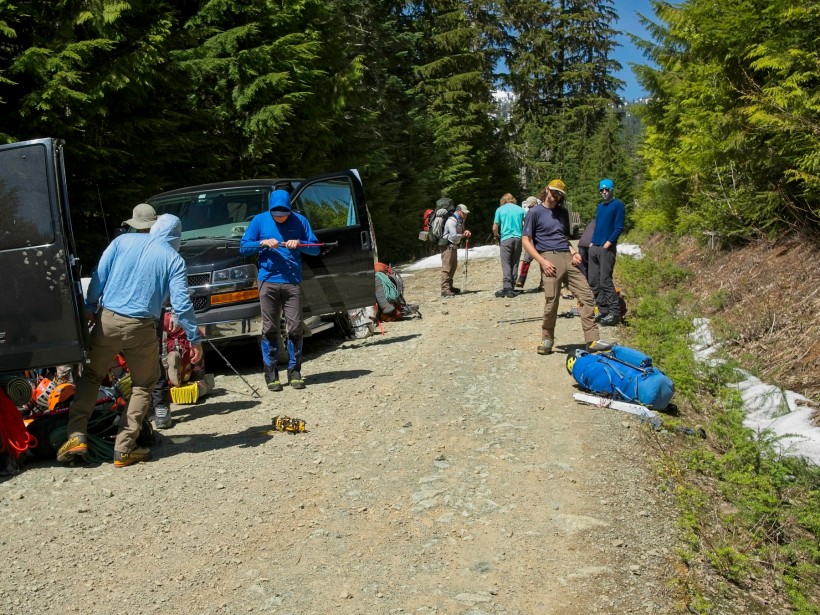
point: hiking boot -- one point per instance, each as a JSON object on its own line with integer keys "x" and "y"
{"x": 610, "y": 320}
{"x": 545, "y": 347}
{"x": 456, "y": 290}
{"x": 136, "y": 456}
{"x": 447, "y": 293}
{"x": 272, "y": 380}
{"x": 504, "y": 293}
{"x": 295, "y": 380}
{"x": 600, "y": 345}
{"x": 74, "y": 446}
{"x": 519, "y": 284}
{"x": 162, "y": 417}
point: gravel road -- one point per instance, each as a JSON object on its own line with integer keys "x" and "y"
{"x": 446, "y": 469}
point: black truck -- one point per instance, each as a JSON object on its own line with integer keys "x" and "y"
{"x": 41, "y": 299}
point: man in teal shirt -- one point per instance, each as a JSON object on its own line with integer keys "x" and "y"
{"x": 507, "y": 225}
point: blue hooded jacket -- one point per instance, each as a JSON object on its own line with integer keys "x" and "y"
{"x": 280, "y": 265}
{"x": 137, "y": 274}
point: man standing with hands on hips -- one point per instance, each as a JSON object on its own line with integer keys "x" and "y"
{"x": 609, "y": 224}
{"x": 277, "y": 236}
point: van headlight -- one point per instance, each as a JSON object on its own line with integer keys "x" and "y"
{"x": 242, "y": 273}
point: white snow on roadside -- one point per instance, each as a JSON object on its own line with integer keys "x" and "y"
{"x": 434, "y": 261}
{"x": 629, "y": 249}
{"x": 785, "y": 413}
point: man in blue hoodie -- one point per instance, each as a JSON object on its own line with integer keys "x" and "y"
{"x": 277, "y": 236}
{"x": 134, "y": 278}
{"x": 609, "y": 224}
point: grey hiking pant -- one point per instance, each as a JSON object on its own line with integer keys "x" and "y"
{"x": 510, "y": 251}
{"x": 599, "y": 272}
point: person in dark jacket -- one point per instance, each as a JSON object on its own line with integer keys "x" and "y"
{"x": 277, "y": 236}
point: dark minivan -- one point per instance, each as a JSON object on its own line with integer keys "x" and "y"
{"x": 222, "y": 282}
{"x": 41, "y": 317}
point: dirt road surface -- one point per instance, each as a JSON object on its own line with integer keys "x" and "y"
{"x": 446, "y": 470}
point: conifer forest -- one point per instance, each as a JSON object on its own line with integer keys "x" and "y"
{"x": 151, "y": 95}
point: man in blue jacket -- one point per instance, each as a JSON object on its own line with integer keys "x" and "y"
{"x": 135, "y": 276}
{"x": 277, "y": 236}
{"x": 609, "y": 224}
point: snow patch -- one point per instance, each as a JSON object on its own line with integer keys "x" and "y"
{"x": 767, "y": 407}
{"x": 432, "y": 262}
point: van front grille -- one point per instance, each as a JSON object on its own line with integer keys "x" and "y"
{"x": 199, "y": 279}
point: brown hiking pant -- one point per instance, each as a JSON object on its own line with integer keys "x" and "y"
{"x": 449, "y": 264}
{"x": 136, "y": 338}
{"x": 577, "y": 283}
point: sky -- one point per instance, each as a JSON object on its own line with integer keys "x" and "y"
{"x": 628, "y": 23}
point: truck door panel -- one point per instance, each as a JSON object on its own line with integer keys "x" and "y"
{"x": 340, "y": 278}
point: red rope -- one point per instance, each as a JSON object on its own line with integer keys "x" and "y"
{"x": 14, "y": 438}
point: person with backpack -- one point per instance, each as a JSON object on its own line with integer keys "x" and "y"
{"x": 451, "y": 236}
{"x": 609, "y": 224}
{"x": 507, "y": 225}
{"x": 546, "y": 239}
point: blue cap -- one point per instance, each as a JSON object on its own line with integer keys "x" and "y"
{"x": 606, "y": 183}
{"x": 279, "y": 199}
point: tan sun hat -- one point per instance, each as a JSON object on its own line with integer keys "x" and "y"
{"x": 142, "y": 217}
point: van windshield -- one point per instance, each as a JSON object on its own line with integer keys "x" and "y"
{"x": 217, "y": 213}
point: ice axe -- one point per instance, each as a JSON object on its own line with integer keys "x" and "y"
{"x": 228, "y": 363}
{"x": 466, "y": 261}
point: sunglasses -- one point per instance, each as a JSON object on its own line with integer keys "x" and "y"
{"x": 606, "y": 190}
{"x": 556, "y": 193}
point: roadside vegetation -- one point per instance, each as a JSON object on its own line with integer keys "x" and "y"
{"x": 750, "y": 517}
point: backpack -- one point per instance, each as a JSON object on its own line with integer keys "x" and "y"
{"x": 437, "y": 218}
{"x": 625, "y": 374}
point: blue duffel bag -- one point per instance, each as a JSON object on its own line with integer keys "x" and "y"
{"x": 622, "y": 373}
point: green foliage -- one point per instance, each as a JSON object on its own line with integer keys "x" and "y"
{"x": 732, "y": 142}
{"x": 745, "y": 510}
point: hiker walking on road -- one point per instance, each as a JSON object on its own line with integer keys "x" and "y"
{"x": 526, "y": 259}
{"x": 135, "y": 276}
{"x": 609, "y": 224}
{"x": 546, "y": 232}
{"x": 275, "y": 236}
{"x": 453, "y": 234}
{"x": 507, "y": 226}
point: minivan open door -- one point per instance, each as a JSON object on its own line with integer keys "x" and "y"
{"x": 342, "y": 277}
{"x": 41, "y": 317}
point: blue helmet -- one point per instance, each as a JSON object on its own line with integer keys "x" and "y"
{"x": 606, "y": 183}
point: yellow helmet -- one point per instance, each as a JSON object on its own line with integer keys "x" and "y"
{"x": 570, "y": 363}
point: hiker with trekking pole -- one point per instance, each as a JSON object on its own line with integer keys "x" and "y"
{"x": 279, "y": 237}
{"x": 451, "y": 237}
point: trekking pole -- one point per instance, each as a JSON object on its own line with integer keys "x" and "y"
{"x": 255, "y": 392}
{"x": 466, "y": 262}
{"x": 517, "y": 320}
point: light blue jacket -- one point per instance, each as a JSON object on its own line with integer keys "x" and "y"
{"x": 137, "y": 274}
